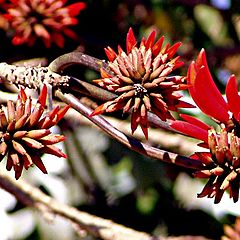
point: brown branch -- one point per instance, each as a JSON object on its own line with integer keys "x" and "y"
{"x": 31, "y": 77}
{"x": 128, "y": 141}
{"x": 76, "y": 58}
{"x": 180, "y": 143}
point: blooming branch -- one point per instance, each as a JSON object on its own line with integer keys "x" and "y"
{"x": 129, "y": 142}
{"x": 222, "y": 163}
{"x": 25, "y": 133}
{"x": 140, "y": 78}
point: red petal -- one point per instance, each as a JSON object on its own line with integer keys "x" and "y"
{"x": 104, "y": 74}
{"x": 135, "y": 119}
{"x": 172, "y": 50}
{"x": 23, "y": 95}
{"x": 143, "y": 41}
{"x": 205, "y": 93}
{"x": 144, "y": 130}
{"x": 18, "y": 170}
{"x": 183, "y": 104}
{"x": 43, "y": 96}
{"x": 201, "y": 59}
{"x": 38, "y": 162}
{"x": 58, "y": 39}
{"x": 18, "y": 40}
{"x": 150, "y": 40}
{"x": 195, "y": 121}
{"x": 190, "y": 130}
{"x": 232, "y": 96}
{"x": 157, "y": 46}
{"x": 111, "y": 54}
{"x": 53, "y": 112}
{"x": 75, "y": 8}
{"x": 62, "y": 112}
{"x": 102, "y": 108}
{"x": 71, "y": 34}
{"x": 131, "y": 40}
{"x": 50, "y": 149}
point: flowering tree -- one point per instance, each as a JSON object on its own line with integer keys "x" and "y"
{"x": 147, "y": 81}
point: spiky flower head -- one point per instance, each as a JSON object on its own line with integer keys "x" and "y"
{"x": 141, "y": 77}
{"x": 221, "y": 165}
{"x": 25, "y": 133}
{"x": 49, "y": 20}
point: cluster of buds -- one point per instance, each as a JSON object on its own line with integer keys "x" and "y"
{"x": 25, "y": 133}
{"x": 141, "y": 78}
{"x": 222, "y": 165}
{"x": 47, "y": 20}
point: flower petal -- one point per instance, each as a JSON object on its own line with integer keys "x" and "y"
{"x": 195, "y": 121}
{"x": 190, "y": 130}
{"x": 205, "y": 93}
{"x": 131, "y": 40}
{"x": 150, "y": 40}
{"x": 75, "y": 8}
{"x": 111, "y": 54}
{"x": 233, "y": 96}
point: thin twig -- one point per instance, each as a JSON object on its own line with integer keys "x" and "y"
{"x": 180, "y": 143}
{"x": 128, "y": 141}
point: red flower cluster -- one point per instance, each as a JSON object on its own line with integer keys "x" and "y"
{"x": 25, "y": 133}
{"x": 141, "y": 77}
{"x": 49, "y": 20}
{"x": 222, "y": 164}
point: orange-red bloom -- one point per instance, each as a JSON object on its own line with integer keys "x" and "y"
{"x": 25, "y": 133}
{"x": 206, "y": 95}
{"x": 222, "y": 164}
{"x": 141, "y": 77}
{"x": 49, "y": 20}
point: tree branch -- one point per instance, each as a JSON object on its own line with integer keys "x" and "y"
{"x": 96, "y": 226}
{"x": 76, "y": 58}
{"x": 129, "y": 142}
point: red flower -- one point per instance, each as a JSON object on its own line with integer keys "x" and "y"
{"x": 206, "y": 95}
{"x": 141, "y": 78}
{"x": 48, "y": 20}
{"x": 25, "y": 133}
{"x": 222, "y": 164}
